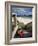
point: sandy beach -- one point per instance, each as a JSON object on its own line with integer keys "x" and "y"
{"x": 24, "y": 20}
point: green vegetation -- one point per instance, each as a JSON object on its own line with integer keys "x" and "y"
{"x": 27, "y": 27}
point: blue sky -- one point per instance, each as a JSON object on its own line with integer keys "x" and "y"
{"x": 22, "y": 11}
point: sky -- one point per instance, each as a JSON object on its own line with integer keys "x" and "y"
{"x": 22, "y": 11}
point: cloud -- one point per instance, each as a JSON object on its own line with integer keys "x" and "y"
{"x": 22, "y": 11}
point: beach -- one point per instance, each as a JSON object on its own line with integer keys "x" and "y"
{"x": 24, "y": 20}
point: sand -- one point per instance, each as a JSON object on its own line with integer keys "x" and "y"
{"x": 24, "y": 20}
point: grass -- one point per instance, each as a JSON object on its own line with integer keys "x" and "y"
{"x": 27, "y": 27}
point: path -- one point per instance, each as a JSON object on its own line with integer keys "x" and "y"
{"x": 14, "y": 32}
